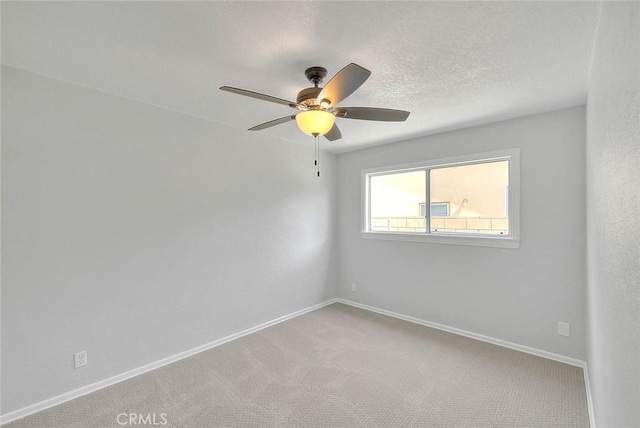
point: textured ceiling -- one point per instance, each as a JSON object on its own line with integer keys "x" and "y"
{"x": 452, "y": 64}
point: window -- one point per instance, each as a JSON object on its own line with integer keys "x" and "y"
{"x": 436, "y": 209}
{"x": 472, "y": 200}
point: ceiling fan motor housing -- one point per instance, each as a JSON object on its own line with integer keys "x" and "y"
{"x": 308, "y": 96}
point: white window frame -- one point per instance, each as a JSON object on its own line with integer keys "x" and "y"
{"x": 500, "y": 241}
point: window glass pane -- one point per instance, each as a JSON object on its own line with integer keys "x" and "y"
{"x": 439, "y": 210}
{"x": 477, "y": 197}
{"x": 395, "y": 202}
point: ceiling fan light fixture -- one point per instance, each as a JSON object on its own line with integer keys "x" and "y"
{"x": 315, "y": 122}
{"x": 317, "y": 107}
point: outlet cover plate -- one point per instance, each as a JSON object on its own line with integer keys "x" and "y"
{"x": 79, "y": 359}
{"x": 564, "y": 329}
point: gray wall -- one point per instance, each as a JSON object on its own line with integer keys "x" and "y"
{"x": 137, "y": 233}
{"x": 613, "y": 189}
{"x": 518, "y": 295}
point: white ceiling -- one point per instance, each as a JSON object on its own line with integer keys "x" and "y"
{"x": 453, "y": 64}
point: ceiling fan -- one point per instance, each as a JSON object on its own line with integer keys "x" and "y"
{"x": 317, "y": 108}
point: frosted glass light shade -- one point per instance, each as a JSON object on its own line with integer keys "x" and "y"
{"x": 315, "y": 122}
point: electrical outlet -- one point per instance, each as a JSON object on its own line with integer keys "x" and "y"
{"x": 564, "y": 329}
{"x": 79, "y": 359}
{"x": 354, "y": 287}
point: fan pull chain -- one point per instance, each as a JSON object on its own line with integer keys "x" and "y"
{"x": 317, "y": 155}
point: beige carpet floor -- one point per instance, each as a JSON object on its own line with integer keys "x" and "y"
{"x": 341, "y": 366}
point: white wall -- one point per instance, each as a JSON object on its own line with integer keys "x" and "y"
{"x": 518, "y": 295}
{"x": 613, "y": 188}
{"x": 137, "y": 233}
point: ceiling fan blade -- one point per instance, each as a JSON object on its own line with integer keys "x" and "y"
{"x": 333, "y": 134}
{"x": 344, "y": 83}
{"x": 272, "y": 123}
{"x": 371, "y": 113}
{"x": 262, "y": 97}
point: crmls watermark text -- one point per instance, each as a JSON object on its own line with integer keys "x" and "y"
{"x": 140, "y": 419}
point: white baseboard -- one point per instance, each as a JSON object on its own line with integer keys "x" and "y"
{"x": 587, "y": 385}
{"x": 493, "y": 340}
{"x": 54, "y": 401}
{"x": 472, "y": 335}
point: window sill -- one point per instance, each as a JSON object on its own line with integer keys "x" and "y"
{"x": 472, "y": 240}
